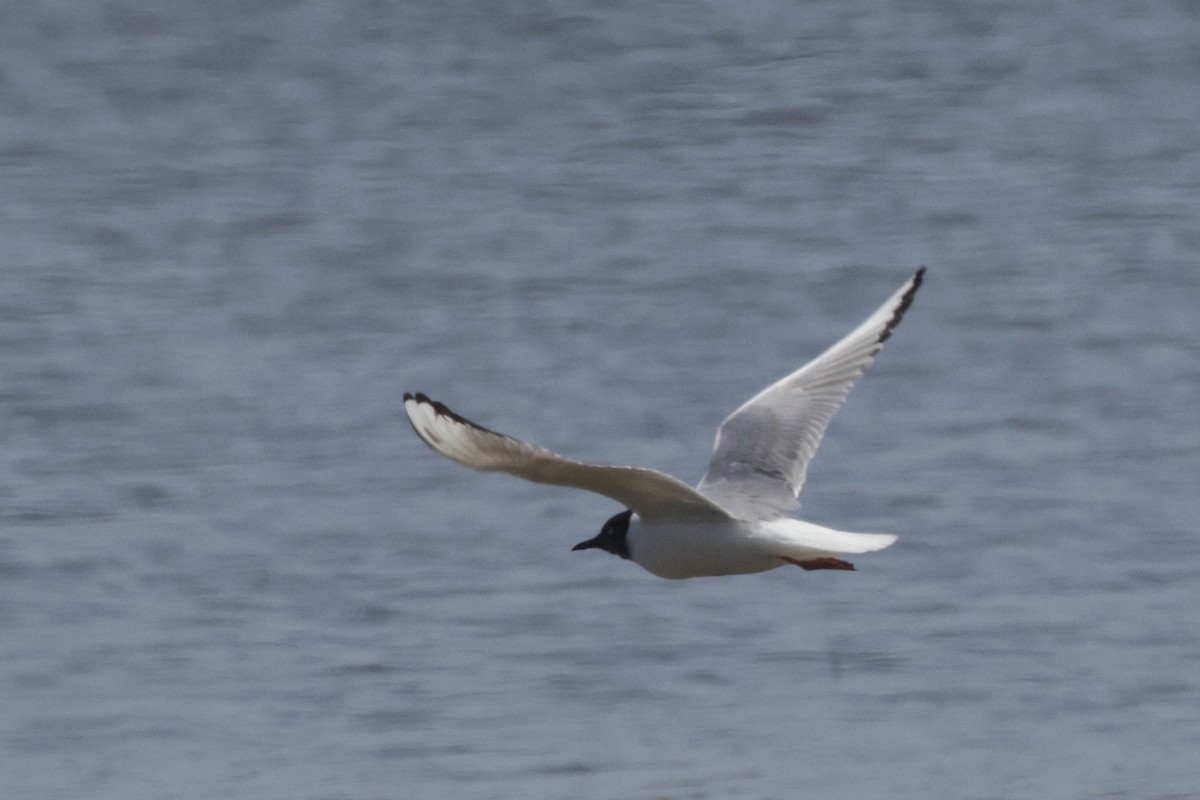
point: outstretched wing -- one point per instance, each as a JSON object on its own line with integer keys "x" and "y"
{"x": 764, "y": 447}
{"x": 651, "y": 494}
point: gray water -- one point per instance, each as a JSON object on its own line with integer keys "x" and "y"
{"x": 232, "y": 234}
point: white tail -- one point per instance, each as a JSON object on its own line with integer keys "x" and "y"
{"x": 800, "y": 539}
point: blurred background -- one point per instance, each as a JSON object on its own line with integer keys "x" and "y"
{"x": 232, "y": 234}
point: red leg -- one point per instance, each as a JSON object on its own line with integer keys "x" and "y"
{"x": 825, "y": 562}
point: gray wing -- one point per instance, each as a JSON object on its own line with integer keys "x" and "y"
{"x": 763, "y": 448}
{"x": 651, "y": 494}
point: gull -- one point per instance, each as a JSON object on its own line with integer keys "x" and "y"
{"x": 738, "y": 519}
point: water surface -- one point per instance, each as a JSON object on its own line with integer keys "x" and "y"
{"x": 234, "y": 234}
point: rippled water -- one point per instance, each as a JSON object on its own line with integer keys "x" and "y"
{"x": 233, "y": 234}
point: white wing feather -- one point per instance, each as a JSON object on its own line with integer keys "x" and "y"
{"x": 651, "y": 494}
{"x": 763, "y": 448}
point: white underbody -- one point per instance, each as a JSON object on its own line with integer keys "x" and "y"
{"x": 693, "y": 550}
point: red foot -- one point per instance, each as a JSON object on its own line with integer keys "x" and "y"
{"x": 826, "y": 562}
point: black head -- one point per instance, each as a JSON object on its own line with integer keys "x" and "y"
{"x": 612, "y": 536}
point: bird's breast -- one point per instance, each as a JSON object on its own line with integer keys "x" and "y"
{"x": 696, "y": 549}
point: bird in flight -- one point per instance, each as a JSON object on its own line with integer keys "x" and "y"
{"x": 738, "y": 518}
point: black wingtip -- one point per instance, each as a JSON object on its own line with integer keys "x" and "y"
{"x": 442, "y": 410}
{"x": 905, "y": 301}
{"x": 421, "y": 398}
